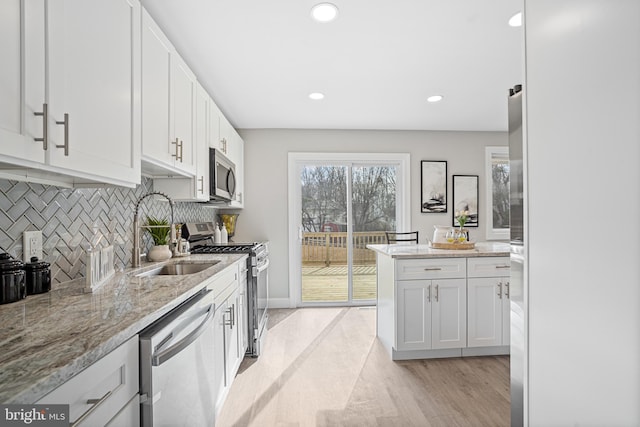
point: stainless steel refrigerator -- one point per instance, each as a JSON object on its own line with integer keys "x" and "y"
{"x": 518, "y": 248}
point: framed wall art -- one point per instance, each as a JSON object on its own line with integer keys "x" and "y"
{"x": 433, "y": 186}
{"x": 465, "y": 198}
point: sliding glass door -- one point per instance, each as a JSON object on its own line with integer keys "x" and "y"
{"x": 341, "y": 206}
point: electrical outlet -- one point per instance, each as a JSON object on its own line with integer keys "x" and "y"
{"x": 31, "y": 245}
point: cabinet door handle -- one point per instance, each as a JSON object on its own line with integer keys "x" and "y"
{"x": 500, "y": 290}
{"x": 201, "y": 181}
{"x": 433, "y": 269}
{"x": 65, "y": 123}
{"x": 96, "y": 403}
{"x": 232, "y": 319}
{"x": 437, "y": 286}
{"x": 178, "y": 149}
{"x": 181, "y": 144}
{"x": 45, "y": 126}
{"x": 507, "y": 291}
{"x": 503, "y": 266}
{"x": 429, "y": 293}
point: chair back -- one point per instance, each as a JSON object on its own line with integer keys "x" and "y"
{"x": 410, "y": 236}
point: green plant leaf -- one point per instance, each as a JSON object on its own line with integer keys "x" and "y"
{"x": 159, "y": 230}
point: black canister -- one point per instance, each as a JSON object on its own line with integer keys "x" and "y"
{"x": 38, "y": 276}
{"x": 12, "y": 283}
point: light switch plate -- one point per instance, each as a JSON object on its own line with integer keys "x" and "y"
{"x": 31, "y": 245}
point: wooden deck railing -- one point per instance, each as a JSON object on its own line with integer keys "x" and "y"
{"x": 331, "y": 247}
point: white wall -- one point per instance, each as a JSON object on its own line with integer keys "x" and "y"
{"x": 583, "y": 134}
{"x": 265, "y": 213}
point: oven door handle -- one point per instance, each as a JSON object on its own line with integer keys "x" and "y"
{"x": 262, "y": 268}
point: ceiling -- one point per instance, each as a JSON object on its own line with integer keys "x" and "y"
{"x": 376, "y": 63}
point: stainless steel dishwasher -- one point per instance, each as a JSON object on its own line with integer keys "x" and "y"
{"x": 176, "y": 366}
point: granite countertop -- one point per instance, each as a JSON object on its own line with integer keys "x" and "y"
{"x": 48, "y": 338}
{"x": 482, "y": 249}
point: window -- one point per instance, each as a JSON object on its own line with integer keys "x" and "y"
{"x": 497, "y": 173}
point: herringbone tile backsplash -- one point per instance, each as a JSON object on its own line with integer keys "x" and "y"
{"x": 71, "y": 219}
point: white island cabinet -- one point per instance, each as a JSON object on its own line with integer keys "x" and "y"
{"x": 489, "y": 304}
{"x": 431, "y": 304}
{"x": 437, "y": 303}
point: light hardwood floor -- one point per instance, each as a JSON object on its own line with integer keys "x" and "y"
{"x": 324, "y": 367}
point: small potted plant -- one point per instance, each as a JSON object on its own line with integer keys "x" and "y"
{"x": 159, "y": 230}
{"x": 462, "y": 217}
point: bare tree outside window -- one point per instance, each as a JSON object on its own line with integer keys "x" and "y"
{"x": 500, "y": 178}
{"x": 497, "y": 173}
{"x": 324, "y": 200}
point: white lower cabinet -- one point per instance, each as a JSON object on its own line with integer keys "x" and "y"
{"x": 105, "y": 393}
{"x": 243, "y": 309}
{"x": 431, "y": 314}
{"x": 489, "y": 303}
{"x": 219, "y": 356}
{"x": 128, "y": 416}
{"x": 430, "y": 304}
{"x": 443, "y": 307}
{"x": 228, "y": 347}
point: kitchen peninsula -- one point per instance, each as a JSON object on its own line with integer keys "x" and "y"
{"x": 443, "y": 303}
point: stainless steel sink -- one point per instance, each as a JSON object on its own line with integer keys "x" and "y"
{"x": 180, "y": 268}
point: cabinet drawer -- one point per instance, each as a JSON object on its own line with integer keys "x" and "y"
{"x": 224, "y": 284}
{"x": 489, "y": 267}
{"x": 111, "y": 381}
{"x": 441, "y": 268}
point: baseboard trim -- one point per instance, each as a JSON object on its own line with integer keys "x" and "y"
{"x": 280, "y": 303}
{"x": 449, "y": 352}
{"x": 486, "y": 351}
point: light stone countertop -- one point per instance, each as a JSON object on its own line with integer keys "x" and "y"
{"x": 48, "y": 338}
{"x": 408, "y": 251}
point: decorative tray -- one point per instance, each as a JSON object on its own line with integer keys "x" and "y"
{"x": 457, "y": 245}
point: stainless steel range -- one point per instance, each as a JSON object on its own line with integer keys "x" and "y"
{"x": 200, "y": 237}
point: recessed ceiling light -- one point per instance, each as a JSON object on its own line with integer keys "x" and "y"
{"x": 316, "y": 96}
{"x": 434, "y": 98}
{"x": 324, "y": 12}
{"x": 516, "y": 20}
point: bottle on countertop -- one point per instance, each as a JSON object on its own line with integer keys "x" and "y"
{"x": 224, "y": 235}
{"x": 216, "y": 234}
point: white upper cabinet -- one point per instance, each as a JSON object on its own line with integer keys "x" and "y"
{"x": 195, "y": 188}
{"x": 168, "y": 106}
{"x": 90, "y": 132}
{"x": 184, "y": 86}
{"x": 19, "y": 126}
{"x": 236, "y": 154}
{"x": 156, "y": 81}
{"x": 94, "y": 71}
{"x": 202, "y": 139}
{"x": 226, "y": 139}
{"x": 225, "y": 136}
{"x": 232, "y": 145}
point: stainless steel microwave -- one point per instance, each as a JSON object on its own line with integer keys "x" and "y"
{"x": 222, "y": 176}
